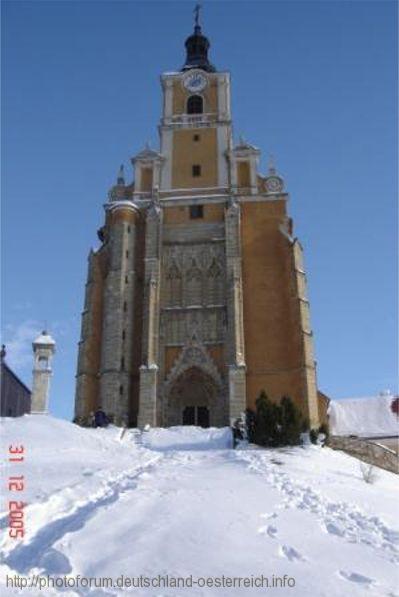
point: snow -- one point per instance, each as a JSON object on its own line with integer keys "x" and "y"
{"x": 44, "y": 339}
{"x": 364, "y": 417}
{"x": 103, "y": 505}
{"x": 188, "y": 438}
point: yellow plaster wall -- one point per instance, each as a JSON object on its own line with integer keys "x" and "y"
{"x": 180, "y": 96}
{"x": 181, "y": 215}
{"x": 216, "y": 352}
{"x": 122, "y": 215}
{"x": 273, "y": 346}
{"x": 171, "y": 354}
{"x": 187, "y": 152}
{"x": 323, "y": 403}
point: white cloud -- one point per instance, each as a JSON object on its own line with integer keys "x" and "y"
{"x": 18, "y": 340}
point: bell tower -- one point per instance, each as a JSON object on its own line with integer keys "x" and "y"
{"x": 195, "y": 128}
{"x": 43, "y": 351}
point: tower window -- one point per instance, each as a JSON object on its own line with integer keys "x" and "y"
{"x": 126, "y": 279}
{"x": 195, "y": 104}
{"x": 196, "y": 138}
{"x": 125, "y": 306}
{"x": 120, "y": 390}
{"x": 43, "y": 363}
{"x": 127, "y": 254}
{"x": 196, "y": 212}
{"x": 123, "y": 335}
{"x": 196, "y": 170}
{"x": 122, "y": 363}
{"x": 244, "y": 174}
{"x": 146, "y": 179}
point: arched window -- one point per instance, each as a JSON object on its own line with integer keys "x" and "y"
{"x": 193, "y": 285}
{"x": 173, "y": 287}
{"x": 43, "y": 363}
{"x": 214, "y": 284}
{"x": 195, "y": 104}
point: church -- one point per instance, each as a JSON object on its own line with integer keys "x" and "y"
{"x": 196, "y": 299}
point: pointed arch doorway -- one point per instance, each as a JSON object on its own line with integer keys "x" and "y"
{"x": 192, "y": 399}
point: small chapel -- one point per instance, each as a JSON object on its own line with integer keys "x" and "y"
{"x": 196, "y": 299}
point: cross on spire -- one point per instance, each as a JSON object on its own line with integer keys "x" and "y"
{"x": 197, "y": 14}
{"x": 121, "y": 177}
{"x": 197, "y": 46}
{"x": 272, "y": 164}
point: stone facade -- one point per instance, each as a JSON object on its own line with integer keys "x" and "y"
{"x": 367, "y": 451}
{"x": 196, "y": 299}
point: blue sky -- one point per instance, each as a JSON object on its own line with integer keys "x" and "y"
{"x": 313, "y": 82}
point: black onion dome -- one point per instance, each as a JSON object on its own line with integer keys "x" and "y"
{"x": 197, "y": 46}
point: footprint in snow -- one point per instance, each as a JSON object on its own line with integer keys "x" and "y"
{"x": 392, "y": 536}
{"x": 334, "y": 529}
{"x": 55, "y": 562}
{"x": 87, "y": 473}
{"x": 268, "y": 529}
{"x": 145, "y": 476}
{"x": 356, "y": 577}
{"x": 267, "y": 515}
{"x": 271, "y": 531}
{"x": 290, "y": 553}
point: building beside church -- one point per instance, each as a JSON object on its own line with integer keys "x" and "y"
{"x": 196, "y": 299}
{"x": 15, "y": 396}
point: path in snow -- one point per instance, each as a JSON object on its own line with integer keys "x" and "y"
{"x": 236, "y": 513}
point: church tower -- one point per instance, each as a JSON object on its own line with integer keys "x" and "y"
{"x": 196, "y": 299}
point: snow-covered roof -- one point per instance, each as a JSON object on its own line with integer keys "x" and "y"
{"x": 44, "y": 338}
{"x": 147, "y": 154}
{"x": 364, "y": 417}
{"x": 245, "y": 147}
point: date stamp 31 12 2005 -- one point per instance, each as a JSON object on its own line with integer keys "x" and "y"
{"x": 16, "y": 487}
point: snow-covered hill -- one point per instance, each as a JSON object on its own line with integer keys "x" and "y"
{"x": 101, "y": 506}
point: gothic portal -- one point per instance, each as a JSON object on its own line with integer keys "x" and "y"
{"x": 196, "y": 299}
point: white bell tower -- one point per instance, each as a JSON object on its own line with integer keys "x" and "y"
{"x": 43, "y": 351}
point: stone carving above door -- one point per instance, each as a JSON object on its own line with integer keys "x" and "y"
{"x": 194, "y": 275}
{"x": 209, "y": 324}
{"x": 193, "y": 354}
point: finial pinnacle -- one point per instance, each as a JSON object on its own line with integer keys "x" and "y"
{"x": 121, "y": 175}
{"x": 272, "y": 164}
{"x": 197, "y": 46}
{"x": 197, "y": 14}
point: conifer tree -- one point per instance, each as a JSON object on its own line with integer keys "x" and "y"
{"x": 250, "y": 418}
{"x": 266, "y": 421}
{"x": 291, "y": 422}
{"x": 276, "y": 424}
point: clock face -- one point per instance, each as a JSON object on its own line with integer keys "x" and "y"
{"x": 274, "y": 184}
{"x": 195, "y": 81}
